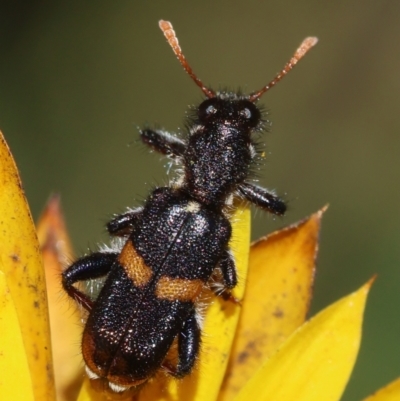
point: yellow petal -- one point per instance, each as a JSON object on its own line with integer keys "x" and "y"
{"x": 390, "y": 392}
{"x": 87, "y": 393}
{"x": 22, "y": 264}
{"x": 281, "y": 273}
{"x": 65, "y": 319}
{"x": 217, "y": 335}
{"x": 315, "y": 363}
{"x": 15, "y": 378}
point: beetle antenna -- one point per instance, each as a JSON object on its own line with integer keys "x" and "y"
{"x": 170, "y": 34}
{"x": 305, "y": 46}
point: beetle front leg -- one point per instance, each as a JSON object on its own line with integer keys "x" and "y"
{"x": 163, "y": 142}
{"x": 89, "y": 267}
{"x": 263, "y": 198}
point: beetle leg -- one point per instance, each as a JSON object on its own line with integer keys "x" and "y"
{"x": 163, "y": 142}
{"x": 221, "y": 286}
{"x": 93, "y": 266}
{"x": 188, "y": 348}
{"x": 263, "y": 198}
{"x": 123, "y": 224}
{"x": 188, "y": 345}
{"x": 228, "y": 269}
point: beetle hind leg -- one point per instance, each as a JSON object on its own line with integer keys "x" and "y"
{"x": 188, "y": 348}
{"x": 95, "y": 265}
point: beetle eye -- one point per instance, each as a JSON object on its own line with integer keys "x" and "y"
{"x": 246, "y": 113}
{"x": 211, "y": 110}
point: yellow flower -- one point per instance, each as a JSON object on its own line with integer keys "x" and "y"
{"x": 260, "y": 349}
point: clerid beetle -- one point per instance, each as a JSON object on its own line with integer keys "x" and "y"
{"x": 172, "y": 245}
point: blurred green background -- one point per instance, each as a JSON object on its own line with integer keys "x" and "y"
{"x": 77, "y": 79}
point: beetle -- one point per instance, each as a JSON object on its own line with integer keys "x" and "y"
{"x": 171, "y": 246}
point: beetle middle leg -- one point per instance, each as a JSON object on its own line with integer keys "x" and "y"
{"x": 123, "y": 224}
{"x": 223, "y": 283}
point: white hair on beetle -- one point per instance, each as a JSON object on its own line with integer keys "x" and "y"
{"x": 200, "y": 313}
{"x": 117, "y": 388}
{"x": 115, "y": 246}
